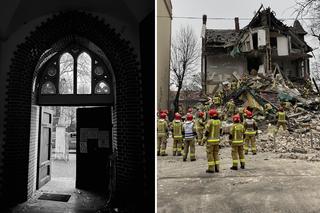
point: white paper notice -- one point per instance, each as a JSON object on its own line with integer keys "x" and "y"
{"x": 83, "y": 134}
{"x": 83, "y": 147}
{"x": 103, "y": 139}
{"x": 93, "y": 133}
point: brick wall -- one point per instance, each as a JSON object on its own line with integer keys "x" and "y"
{"x": 127, "y": 115}
{"x": 33, "y": 149}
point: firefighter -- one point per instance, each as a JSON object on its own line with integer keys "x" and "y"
{"x": 281, "y": 115}
{"x": 162, "y": 130}
{"x": 250, "y": 131}
{"x": 236, "y": 135}
{"x": 217, "y": 100}
{"x": 200, "y": 124}
{"x": 189, "y": 132}
{"x": 177, "y": 134}
{"x": 267, "y": 109}
{"x": 230, "y": 107}
{"x": 213, "y": 131}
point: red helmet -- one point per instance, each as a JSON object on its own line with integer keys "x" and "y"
{"x": 177, "y": 116}
{"x": 163, "y": 115}
{"x": 201, "y": 114}
{"x": 189, "y": 117}
{"x": 236, "y": 118}
{"x": 213, "y": 112}
{"x": 190, "y": 110}
{"x": 166, "y": 111}
{"x": 249, "y": 114}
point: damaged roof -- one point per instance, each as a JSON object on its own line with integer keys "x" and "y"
{"x": 297, "y": 28}
{"x": 221, "y": 38}
{"x": 216, "y": 38}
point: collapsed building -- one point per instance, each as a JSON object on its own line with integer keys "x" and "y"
{"x": 265, "y": 47}
{"x": 266, "y": 62}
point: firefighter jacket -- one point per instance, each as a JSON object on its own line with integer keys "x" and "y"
{"x": 231, "y": 107}
{"x": 237, "y": 131}
{"x": 189, "y": 130}
{"x": 281, "y": 117}
{"x": 199, "y": 123}
{"x": 177, "y": 129}
{"x": 162, "y": 127}
{"x": 250, "y": 126}
{"x": 213, "y": 130}
{"x": 217, "y": 100}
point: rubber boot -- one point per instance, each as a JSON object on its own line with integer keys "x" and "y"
{"x": 192, "y": 159}
{"x": 164, "y": 154}
{"x": 216, "y": 168}
{"x": 174, "y": 153}
{"x": 246, "y": 152}
{"x": 210, "y": 169}
{"x": 234, "y": 168}
{"x": 184, "y": 159}
{"x": 179, "y": 154}
{"x": 242, "y": 165}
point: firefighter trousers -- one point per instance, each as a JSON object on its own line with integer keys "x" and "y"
{"x": 237, "y": 153}
{"x": 250, "y": 140}
{"x": 213, "y": 155}
{"x": 200, "y": 136}
{"x": 162, "y": 144}
{"x": 283, "y": 124}
{"x": 177, "y": 144}
{"x": 189, "y": 143}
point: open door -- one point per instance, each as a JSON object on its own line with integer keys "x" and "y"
{"x": 94, "y": 133}
{"x": 44, "y": 153}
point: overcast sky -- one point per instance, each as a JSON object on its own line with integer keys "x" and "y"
{"x": 244, "y": 9}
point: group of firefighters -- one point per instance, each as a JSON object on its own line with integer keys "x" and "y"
{"x": 206, "y": 128}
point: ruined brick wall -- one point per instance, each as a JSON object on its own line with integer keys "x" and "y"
{"x": 127, "y": 114}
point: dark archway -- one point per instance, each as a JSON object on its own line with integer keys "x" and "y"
{"x": 127, "y": 116}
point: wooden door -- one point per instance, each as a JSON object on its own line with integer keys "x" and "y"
{"x": 94, "y": 133}
{"x": 44, "y": 148}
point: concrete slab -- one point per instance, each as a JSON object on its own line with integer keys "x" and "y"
{"x": 268, "y": 184}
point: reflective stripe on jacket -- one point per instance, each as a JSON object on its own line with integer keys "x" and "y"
{"x": 188, "y": 129}
{"x": 162, "y": 127}
{"x": 177, "y": 129}
{"x": 237, "y": 133}
{"x": 249, "y": 127}
{"x": 281, "y": 116}
{"x": 214, "y": 131}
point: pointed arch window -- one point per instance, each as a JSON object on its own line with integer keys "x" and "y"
{"x": 66, "y": 64}
{"x": 73, "y": 76}
{"x": 84, "y": 74}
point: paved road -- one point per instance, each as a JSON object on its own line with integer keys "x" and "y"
{"x": 268, "y": 184}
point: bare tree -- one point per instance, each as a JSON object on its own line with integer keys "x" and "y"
{"x": 184, "y": 59}
{"x": 310, "y": 9}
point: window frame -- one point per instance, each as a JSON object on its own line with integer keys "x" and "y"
{"x": 74, "y": 98}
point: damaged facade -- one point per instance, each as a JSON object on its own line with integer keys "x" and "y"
{"x": 264, "y": 47}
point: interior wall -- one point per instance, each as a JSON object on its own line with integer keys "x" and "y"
{"x": 221, "y": 67}
{"x": 33, "y": 150}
